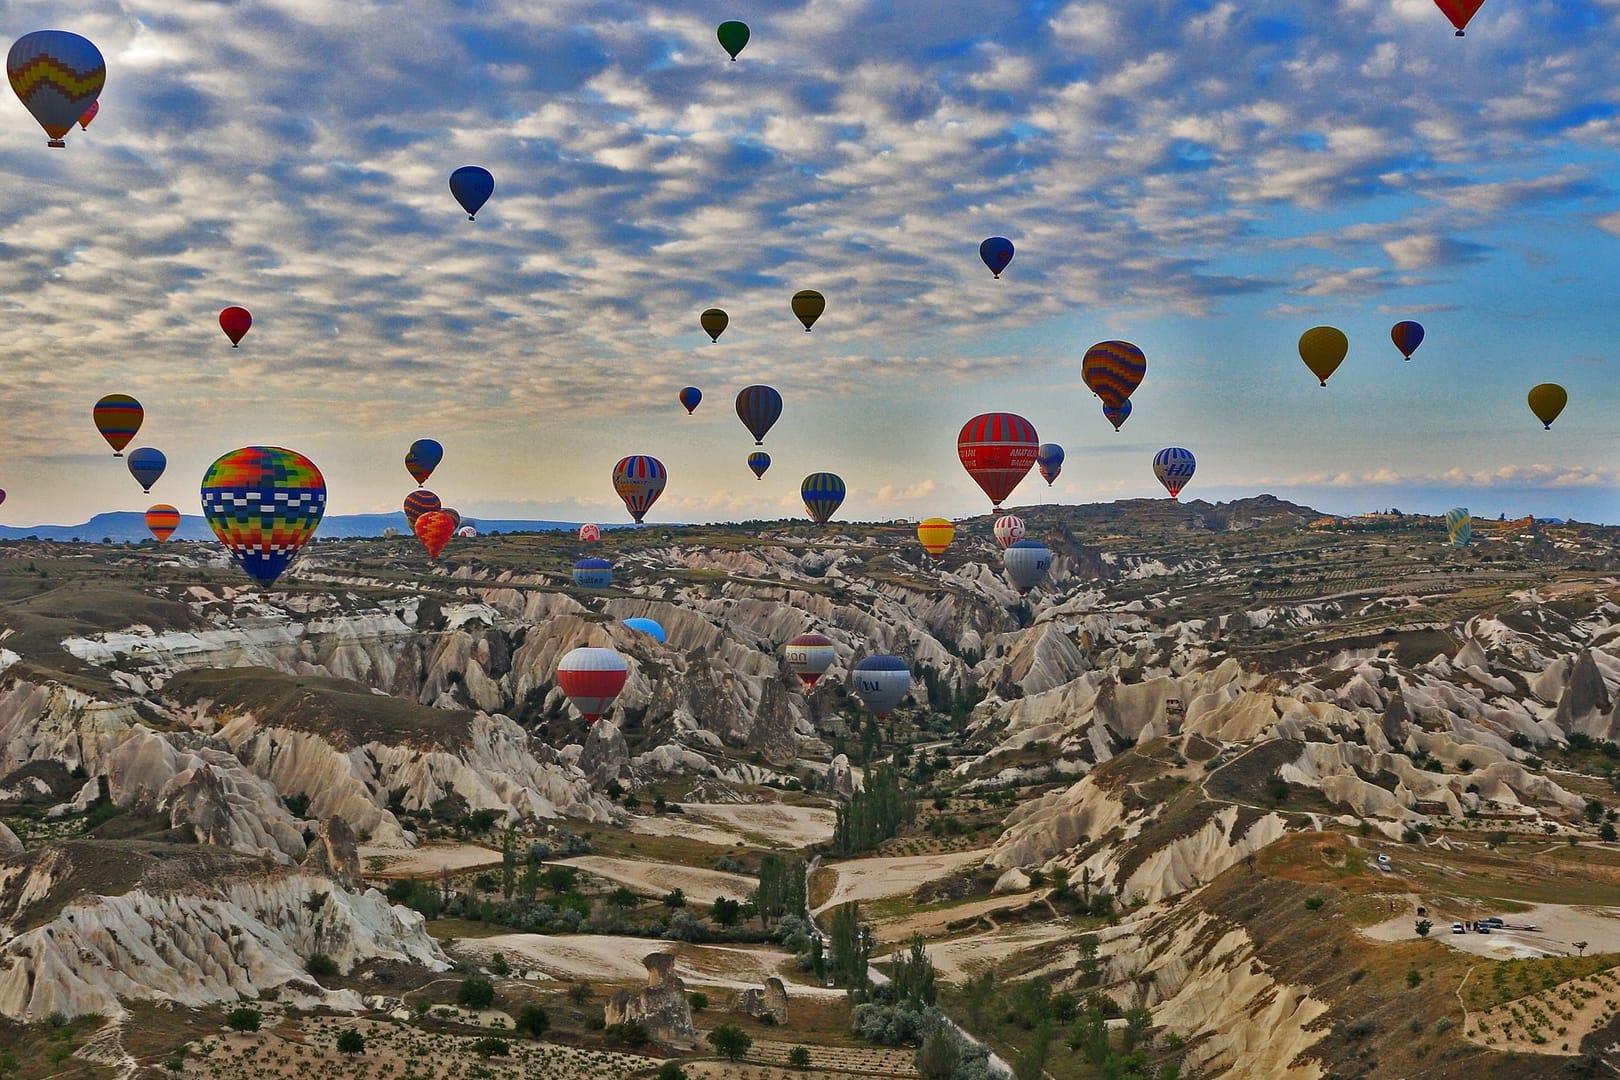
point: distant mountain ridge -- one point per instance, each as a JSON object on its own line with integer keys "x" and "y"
{"x": 129, "y": 526}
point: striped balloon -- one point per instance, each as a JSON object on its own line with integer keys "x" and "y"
{"x": 593, "y": 573}
{"x": 1174, "y": 467}
{"x": 592, "y": 678}
{"x": 823, "y": 494}
{"x": 1049, "y": 458}
{"x": 422, "y": 458}
{"x": 997, "y": 450}
{"x": 57, "y": 75}
{"x": 1117, "y": 414}
{"x": 1009, "y": 529}
{"x": 809, "y": 656}
{"x": 758, "y": 407}
{"x": 1459, "y": 526}
{"x": 118, "y": 417}
{"x": 146, "y": 465}
{"x": 263, "y": 502}
{"x": 1113, "y": 370}
{"x": 759, "y": 461}
{"x": 639, "y": 479}
{"x": 935, "y": 534}
{"x": 418, "y": 503}
{"x": 162, "y": 519}
{"x": 1407, "y": 336}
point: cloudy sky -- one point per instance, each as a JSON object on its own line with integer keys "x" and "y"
{"x": 1206, "y": 178}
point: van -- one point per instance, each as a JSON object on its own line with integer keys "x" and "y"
{"x": 1494, "y": 923}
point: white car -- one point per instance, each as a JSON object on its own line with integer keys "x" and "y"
{"x": 1457, "y": 928}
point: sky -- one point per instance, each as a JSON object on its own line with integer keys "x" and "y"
{"x": 1205, "y": 178}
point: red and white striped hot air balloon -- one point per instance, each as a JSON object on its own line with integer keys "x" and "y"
{"x": 592, "y": 678}
{"x": 809, "y": 656}
{"x": 1009, "y": 530}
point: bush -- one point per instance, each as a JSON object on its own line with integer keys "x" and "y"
{"x": 351, "y": 1042}
{"x": 669, "y": 1070}
{"x": 799, "y": 1057}
{"x": 730, "y": 1040}
{"x": 1414, "y": 977}
{"x": 475, "y": 993}
{"x": 699, "y": 1000}
{"x": 321, "y": 966}
{"x": 532, "y": 1020}
{"x": 628, "y": 1033}
{"x": 492, "y": 1047}
{"x": 579, "y": 993}
{"x": 1313, "y": 903}
{"x": 499, "y": 966}
{"x": 243, "y": 1018}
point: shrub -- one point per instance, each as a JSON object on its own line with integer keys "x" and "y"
{"x": 475, "y": 993}
{"x": 499, "y": 966}
{"x": 799, "y": 1057}
{"x": 532, "y": 1020}
{"x": 351, "y": 1042}
{"x": 321, "y": 966}
{"x": 1414, "y": 977}
{"x": 669, "y": 1070}
{"x": 699, "y": 1000}
{"x": 628, "y": 1033}
{"x": 1313, "y": 903}
{"x": 492, "y": 1047}
{"x": 1355, "y": 976}
{"x": 730, "y": 1040}
{"x": 579, "y": 993}
{"x": 243, "y": 1018}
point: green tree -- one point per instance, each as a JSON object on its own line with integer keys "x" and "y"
{"x": 492, "y": 1047}
{"x": 508, "y": 862}
{"x": 675, "y": 898}
{"x": 1031, "y": 1064}
{"x": 669, "y": 1070}
{"x": 847, "y": 945}
{"x": 937, "y": 1057}
{"x": 730, "y": 1040}
{"x": 1423, "y": 927}
{"x": 532, "y": 1020}
{"x": 799, "y": 1057}
{"x": 579, "y": 993}
{"x": 475, "y": 992}
{"x": 350, "y": 1041}
{"x": 978, "y": 993}
{"x": 321, "y": 966}
{"x": 725, "y": 912}
{"x": 912, "y": 974}
{"x": 243, "y": 1018}
{"x": 874, "y": 814}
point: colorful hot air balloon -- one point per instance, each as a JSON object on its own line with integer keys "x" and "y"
{"x": 1113, "y": 370}
{"x": 1174, "y": 467}
{"x": 589, "y": 534}
{"x": 935, "y": 534}
{"x": 162, "y": 519}
{"x": 650, "y": 627}
{"x": 809, "y": 656}
{"x": 759, "y": 461}
{"x": 997, "y": 450}
{"x": 1117, "y": 414}
{"x": 1407, "y": 336}
{"x": 1459, "y": 11}
{"x": 467, "y": 532}
{"x": 881, "y": 682}
{"x": 1049, "y": 459}
{"x": 1323, "y": 349}
{"x": 714, "y": 323}
{"x": 453, "y": 514}
{"x": 996, "y": 252}
{"x": 418, "y": 503}
{"x": 593, "y": 573}
{"x": 2, "y": 496}
{"x": 146, "y": 465}
{"x": 1459, "y": 526}
{"x": 118, "y": 417}
{"x": 235, "y": 321}
{"x": 733, "y": 36}
{"x": 1008, "y": 529}
{"x": 263, "y": 502}
{"x": 758, "y": 407}
{"x": 422, "y": 458}
{"x": 89, "y": 115}
{"x": 808, "y": 306}
{"x": 592, "y": 678}
{"x": 690, "y": 397}
{"x": 823, "y": 494}
{"x": 1027, "y": 563}
{"x": 1548, "y": 400}
{"x": 434, "y": 529}
{"x": 472, "y": 186}
{"x": 639, "y": 479}
{"x": 57, "y": 76}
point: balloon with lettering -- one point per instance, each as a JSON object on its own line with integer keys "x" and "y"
{"x": 809, "y": 656}
{"x": 264, "y": 503}
{"x": 881, "y": 682}
{"x": 1027, "y": 563}
{"x": 593, "y": 573}
{"x": 639, "y": 479}
{"x": 997, "y": 450}
{"x": 1174, "y": 467}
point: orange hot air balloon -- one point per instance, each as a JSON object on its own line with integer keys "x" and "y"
{"x": 235, "y": 321}
{"x": 434, "y": 529}
{"x": 89, "y": 114}
{"x": 935, "y": 534}
{"x": 1547, "y": 400}
{"x": 162, "y": 519}
{"x": 1323, "y": 349}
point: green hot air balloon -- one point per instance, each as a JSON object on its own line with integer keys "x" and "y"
{"x": 733, "y": 36}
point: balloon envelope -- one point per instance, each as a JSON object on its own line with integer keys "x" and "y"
{"x": 759, "y": 461}
{"x": 650, "y": 627}
{"x": 1117, "y": 414}
{"x": 1459, "y": 526}
{"x": 422, "y": 458}
{"x": 235, "y": 321}
{"x": 639, "y": 479}
{"x": 1027, "y": 563}
{"x": 467, "y": 532}
{"x": 418, "y": 503}
{"x": 997, "y": 450}
{"x": 593, "y": 573}
{"x": 118, "y": 417}
{"x": 714, "y": 323}
{"x": 472, "y": 186}
{"x": 162, "y": 519}
{"x": 1113, "y": 370}
{"x": 1459, "y": 11}
{"x": 1009, "y": 529}
{"x": 758, "y": 407}
{"x": 146, "y": 465}
{"x": 1174, "y": 467}
{"x": 996, "y": 252}
{"x": 690, "y": 397}
{"x": 264, "y": 503}
{"x": 1548, "y": 400}
{"x": 592, "y": 678}
{"x": 1407, "y": 336}
{"x": 823, "y": 494}
{"x": 935, "y": 534}
{"x": 1323, "y": 349}
{"x": 733, "y": 36}
{"x": 89, "y": 115}
{"x": 1049, "y": 459}
{"x": 57, "y": 76}
{"x": 808, "y": 306}
{"x": 809, "y": 656}
{"x": 881, "y": 683}
{"x": 589, "y": 533}
{"x": 434, "y": 529}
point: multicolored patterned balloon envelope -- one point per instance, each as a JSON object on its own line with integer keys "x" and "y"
{"x": 434, "y": 529}
{"x": 823, "y": 494}
{"x": 808, "y": 306}
{"x": 1049, "y": 459}
{"x": 997, "y": 450}
{"x": 146, "y": 465}
{"x": 639, "y": 479}
{"x": 714, "y": 322}
{"x": 1113, "y": 370}
{"x": 264, "y": 503}
{"x": 418, "y": 503}
{"x": 236, "y": 322}
{"x": 691, "y": 397}
{"x": 589, "y": 533}
{"x": 455, "y": 516}
{"x": 89, "y": 115}
{"x": 1459, "y": 526}
{"x": 162, "y": 519}
{"x": 118, "y": 417}
{"x": 422, "y": 458}
{"x": 1459, "y": 11}
{"x": 1117, "y": 414}
{"x": 1174, "y": 467}
{"x": 996, "y": 252}
{"x": 1407, "y": 336}
{"x": 758, "y": 462}
{"x": 472, "y": 185}
{"x": 809, "y": 656}
{"x": 758, "y": 407}
{"x": 57, "y": 76}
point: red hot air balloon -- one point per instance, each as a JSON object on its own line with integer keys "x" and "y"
{"x": 162, "y": 519}
{"x": 434, "y": 529}
{"x": 592, "y": 678}
{"x": 89, "y": 115}
{"x": 1459, "y": 11}
{"x": 589, "y": 533}
{"x": 235, "y": 321}
{"x": 997, "y": 450}
{"x": 1009, "y": 530}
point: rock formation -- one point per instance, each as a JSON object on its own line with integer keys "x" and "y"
{"x": 768, "y": 1003}
{"x": 660, "y": 1007}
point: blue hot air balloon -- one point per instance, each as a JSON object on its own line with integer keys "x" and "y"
{"x": 881, "y": 683}
{"x": 422, "y": 458}
{"x": 146, "y": 464}
{"x": 1049, "y": 459}
{"x": 649, "y": 627}
{"x": 690, "y": 397}
{"x": 1027, "y": 563}
{"x": 996, "y": 252}
{"x": 759, "y": 461}
{"x": 593, "y": 573}
{"x": 758, "y": 407}
{"x": 823, "y": 494}
{"x": 472, "y": 186}
{"x": 1407, "y": 336}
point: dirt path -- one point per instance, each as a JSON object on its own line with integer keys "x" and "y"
{"x": 873, "y": 879}
{"x": 426, "y": 860}
{"x": 658, "y": 879}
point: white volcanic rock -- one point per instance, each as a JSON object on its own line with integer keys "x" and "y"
{"x": 10, "y": 846}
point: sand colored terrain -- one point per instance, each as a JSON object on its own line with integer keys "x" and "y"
{"x": 774, "y": 823}
{"x": 873, "y": 879}
{"x": 658, "y": 879}
{"x": 427, "y": 860}
{"x": 1577, "y": 1008}
{"x": 1560, "y": 926}
{"x": 963, "y": 958}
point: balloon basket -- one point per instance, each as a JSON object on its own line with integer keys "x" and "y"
{"x": 60, "y": 144}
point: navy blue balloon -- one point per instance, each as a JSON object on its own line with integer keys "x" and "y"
{"x": 472, "y": 186}
{"x": 422, "y": 458}
{"x": 996, "y": 252}
{"x": 758, "y": 407}
{"x": 146, "y": 465}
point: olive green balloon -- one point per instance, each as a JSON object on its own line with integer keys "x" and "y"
{"x": 733, "y": 36}
{"x": 808, "y": 306}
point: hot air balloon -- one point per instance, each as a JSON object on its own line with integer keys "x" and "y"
{"x": 418, "y": 503}
{"x": 1323, "y": 349}
{"x": 57, "y": 76}
{"x": 1117, "y": 414}
{"x": 809, "y": 656}
{"x": 996, "y": 252}
{"x": 1008, "y": 529}
{"x": 714, "y": 323}
{"x": 650, "y": 627}
{"x": 997, "y": 450}
{"x": 162, "y": 519}
{"x": 808, "y": 306}
{"x": 467, "y": 532}
{"x": 935, "y": 534}
{"x": 422, "y": 458}
{"x": 590, "y": 534}
{"x": 759, "y": 461}
{"x": 823, "y": 494}
{"x": 1113, "y": 370}
{"x": 235, "y": 321}
{"x": 1548, "y": 400}
{"x": 733, "y": 36}
{"x": 472, "y": 186}
{"x": 1407, "y": 336}
{"x": 592, "y": 678}
{"x": 263, "y": 502}
{"x": 118, "y": 417}
{"x": 690, "y": 397}
{"x": 1459, "y": 526}
{"x": 89, "y": 115}
{"x": 2, "y": 496}
{"x": 453, "y": 514}
{"x": 881, "y": 683}
{"x": 434, "y": 529}
{"x": 1027, "y": 563}
{"x": 758, "y": 407}
{"x": 1459, "y": 11}
{"x": 146, "y": 465}
{"x": 1174, "y": 467}
{"x": 593, "y": 573}
{"x": 1049, "y": 459}
{"x": 639, "y": 479}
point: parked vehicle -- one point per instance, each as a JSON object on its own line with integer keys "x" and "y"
{"x": 1457, "y": 928}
